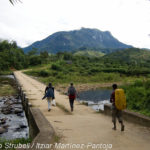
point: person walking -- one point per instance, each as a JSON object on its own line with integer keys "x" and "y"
{"x": 72, "y": 95}
{"x": 116, "y": 113}
{"x": 49, "y": 94}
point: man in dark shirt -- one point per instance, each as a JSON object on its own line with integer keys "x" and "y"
{"x": 49, "y": 94}
{"x": 115, "y": 112}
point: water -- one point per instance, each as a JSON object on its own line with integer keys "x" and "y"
{"x": 95, "y": 98}
{"x": 15, "y": 123}
{"x": 7, "y": 76}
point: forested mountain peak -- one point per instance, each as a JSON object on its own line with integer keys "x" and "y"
{"x": 76, "y": 39}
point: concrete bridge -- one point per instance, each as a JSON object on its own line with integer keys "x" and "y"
{"x": 84, "y": 128}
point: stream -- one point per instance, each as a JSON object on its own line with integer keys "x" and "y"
{"x": 95, "y": 98}
{"x": 13, "y": 121}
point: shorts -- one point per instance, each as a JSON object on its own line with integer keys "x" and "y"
{"x": 49, "y": 98}
{"x": 116, "y": 114}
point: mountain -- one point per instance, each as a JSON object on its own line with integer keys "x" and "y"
{"x": 76, "y": 39}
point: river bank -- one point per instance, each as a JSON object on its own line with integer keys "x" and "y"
{"x": 92, "y": 95}
{"x": 63, "y": 88}
{"x": 13, "y": 122}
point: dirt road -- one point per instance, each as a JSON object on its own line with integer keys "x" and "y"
{"x": 84, "y": 126}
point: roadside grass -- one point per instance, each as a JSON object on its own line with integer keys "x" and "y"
{"x": 62, "y": 78}
{"x": 61, "y": 74}
{"x": 138, "y": 96}
{"x": 11, "y": 144}
{"x": 7, "y": 72}
{"x": 7, "y": 87}
{"x": 57, "y": 138}
{"x": 7, "y": 90}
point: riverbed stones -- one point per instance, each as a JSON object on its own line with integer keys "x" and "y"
{"x": 20, "y": 114}
{"x": 8, "y": 102}
{"x": 6, "y": 110}
{"x": 11, "y": 105}
{"x": 3, "y": 120}
{"x": 2, "y": 130}
{"x": 12, "y": 126}
{"x": 5, "y": 126}
{"x": 23, "y": 126}
{"x": 18, "y": 110}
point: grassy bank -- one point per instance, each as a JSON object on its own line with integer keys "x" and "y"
{"x": 7, "y": 87}
{"x": 138, "y": 96}
{"x": 61, "y": 72}
{"x": 12, "y": 144}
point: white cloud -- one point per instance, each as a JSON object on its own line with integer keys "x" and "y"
{"x": 32, "y": 20}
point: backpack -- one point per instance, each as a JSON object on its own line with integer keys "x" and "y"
{"x": 50, "y": 92}
{"x": 72, "y": 91}
{"x": 120, "y": 99}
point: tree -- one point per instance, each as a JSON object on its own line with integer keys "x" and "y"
{"x": 32, "y": 52}
{"x": 14, "y": 1}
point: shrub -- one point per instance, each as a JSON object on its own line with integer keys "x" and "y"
{"x": 56, "y": 67}
{"x": 43, "y": 73}
{"x": 138, "y": 83}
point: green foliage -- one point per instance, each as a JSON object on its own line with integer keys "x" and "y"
{"x": 89, "y": 53}
{"x": 32, "y": 52}
{"x": 43, "y": 73}
{"x": 66, "y": 67}
{"x": 78, "y": 69}
{"x": 138, "y": 96}
{"x": 7, "y": 86}
{"x": 34, "y": 60}
{"x": 56, "y": 66}
{"x": 11, "y": 56}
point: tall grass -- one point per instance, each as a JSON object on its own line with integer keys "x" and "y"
{"x": 138, "y": 96}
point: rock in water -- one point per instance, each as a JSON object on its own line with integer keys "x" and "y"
{"x": 17, "y": 110}
{"x": 2, "y": 130}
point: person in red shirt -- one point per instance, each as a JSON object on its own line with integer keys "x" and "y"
{"x": 72, "y": 95}
{"x": 115, "y": 112}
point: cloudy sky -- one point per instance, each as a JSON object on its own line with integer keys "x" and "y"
{"x": 32, "y": 20}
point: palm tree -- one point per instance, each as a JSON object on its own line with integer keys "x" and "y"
{"x": 14, "y": 1}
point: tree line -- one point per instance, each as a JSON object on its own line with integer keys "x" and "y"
{"x": 12, "y": 57}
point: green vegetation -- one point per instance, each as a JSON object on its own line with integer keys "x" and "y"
{"x": 7, "y": 87}
{"x": 66, "y": 67}
{"x": 5, "y": 143}
{"x": 138, "y": 96}
{"x": 131, "y": 62}
{"x": 124, "y": 66}
{"x": 78, "y": 69}
{"x": 89, "y": 53}
{"x": 11, "y": 57}
{"x": 6, "y": 90}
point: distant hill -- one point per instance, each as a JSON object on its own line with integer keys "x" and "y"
{"x": 76, "y": 39}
